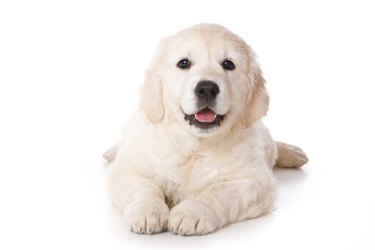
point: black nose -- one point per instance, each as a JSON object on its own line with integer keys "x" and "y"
{"x": 207, "y": 90}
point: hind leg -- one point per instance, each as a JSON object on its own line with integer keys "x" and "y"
{"x": 290, "y": 156}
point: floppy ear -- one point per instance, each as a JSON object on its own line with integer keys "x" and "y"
{"x": 152, "y": 96}
{"x": 258, "y": 99}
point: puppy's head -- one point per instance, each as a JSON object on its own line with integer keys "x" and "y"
{"x": 207, "y": 80}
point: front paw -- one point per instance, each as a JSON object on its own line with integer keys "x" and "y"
{"x": 192, "y": 218}
{"x": 147, "y": 217}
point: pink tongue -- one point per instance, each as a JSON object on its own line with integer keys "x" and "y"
{"x": 205, "y": 115}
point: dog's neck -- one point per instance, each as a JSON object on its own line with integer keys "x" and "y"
{"x": 186, "y": 138}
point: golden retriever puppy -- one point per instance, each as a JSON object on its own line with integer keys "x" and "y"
{"x": 195, "y": 156}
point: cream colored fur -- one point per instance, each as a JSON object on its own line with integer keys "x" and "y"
{"x": 168, "y": 175}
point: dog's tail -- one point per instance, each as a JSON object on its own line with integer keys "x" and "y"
{"x": 110, "y": 154}
{"x": 290, "y": 156}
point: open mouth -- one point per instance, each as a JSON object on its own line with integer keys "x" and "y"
{"x": 205, "y": 119}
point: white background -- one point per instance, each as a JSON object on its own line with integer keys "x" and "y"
{"x": 69, "y": 77}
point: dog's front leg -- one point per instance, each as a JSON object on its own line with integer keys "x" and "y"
{"x": 220, "y": 204}
{"x": 141, "y": 200}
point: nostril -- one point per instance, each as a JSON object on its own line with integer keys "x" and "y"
{"x": 215, "y": 90}
{"x": 200, "y": 91}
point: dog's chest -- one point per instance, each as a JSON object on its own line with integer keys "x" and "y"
{"x": 193, "y": 172}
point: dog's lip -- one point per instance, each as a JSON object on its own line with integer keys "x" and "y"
{"x": 201, "y": 109}
{"x": 213, "y": 120}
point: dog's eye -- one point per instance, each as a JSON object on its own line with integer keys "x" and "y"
{"x": 228, "y": 65}
{"x": 184, "y": 64}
